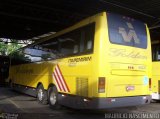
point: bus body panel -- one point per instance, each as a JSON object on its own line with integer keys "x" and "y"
{"x": 114, "y": 66}
{"x": 79, "y": 75}
{"x": 74, "y": 72}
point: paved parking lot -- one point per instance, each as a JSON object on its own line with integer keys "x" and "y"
{"x": 13, "y": 104}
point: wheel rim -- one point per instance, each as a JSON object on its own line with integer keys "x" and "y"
{"x": 40, "y": 94}
{"x": 53, "y": 98}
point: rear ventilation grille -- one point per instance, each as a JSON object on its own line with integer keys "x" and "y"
{"x": 82, "y": 87}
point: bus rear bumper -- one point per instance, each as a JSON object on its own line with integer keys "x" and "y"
{"x": 156, "y": 96}
{"x": 102, "y": 103}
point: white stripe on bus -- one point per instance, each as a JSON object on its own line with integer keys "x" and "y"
{"x": 56, "y": 76}
{"x": 55, "y": 82}
{"x": 61, "y": 78}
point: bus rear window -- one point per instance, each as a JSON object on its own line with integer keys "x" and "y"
{"x": 126, "y": 31}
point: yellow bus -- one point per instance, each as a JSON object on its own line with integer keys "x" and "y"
{"x": 103, "y": 61}
{"x": 155, "y": 70}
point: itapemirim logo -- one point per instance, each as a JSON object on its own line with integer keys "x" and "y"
{"x": 127, "y": 37}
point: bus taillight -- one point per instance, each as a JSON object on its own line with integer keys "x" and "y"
{"x": 101, "y": 84}
{"x": 150, "y": 83}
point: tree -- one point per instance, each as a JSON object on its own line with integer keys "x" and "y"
{"x": 3, "y": 48}
{"x": 6, "y": 49}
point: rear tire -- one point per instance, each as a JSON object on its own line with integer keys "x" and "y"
{"x": 53, "y": 98}
{"x": 41, "y": 95}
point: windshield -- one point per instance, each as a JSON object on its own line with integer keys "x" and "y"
{"x": 126, "y": 31}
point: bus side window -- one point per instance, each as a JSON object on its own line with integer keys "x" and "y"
{"x": 75, "y": 50}
{"x": 87, "y": 39}
{"x": 79, "y": 41}
{"x": 33, "y": 54}
{"x": 155, "y": 52}
{"x": 49, "y": 49}
{"x": 89, "y": 45}
{"x": 69, "y": 43}
{"x": 158, "y": 55}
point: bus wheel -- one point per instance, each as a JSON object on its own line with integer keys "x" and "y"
{"x": 53, "y": 98}
{"x": 41, "y": 95}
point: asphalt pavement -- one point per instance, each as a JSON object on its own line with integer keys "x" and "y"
{"x": 14, "y": 105}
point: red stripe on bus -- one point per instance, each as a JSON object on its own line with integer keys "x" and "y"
{"x": 63, "y": 78}
{"x": 57, "y": 81}
{"x": 60, "y": 79}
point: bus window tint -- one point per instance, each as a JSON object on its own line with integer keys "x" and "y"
{"x": 126, "y": 31}
{"x": 50, "y": 49}
{"x": 87, "y": 39}
{"x": 76, "y": 42}
{"x": 69, "y": 43}
{"x": 42, "y": 51}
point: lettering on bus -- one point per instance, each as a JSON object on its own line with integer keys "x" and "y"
{"x": 124, "y": 53}
{"x": 24, "y": 71}
{"x": 127, "y": 37}
{"x": 80, "y": 59}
